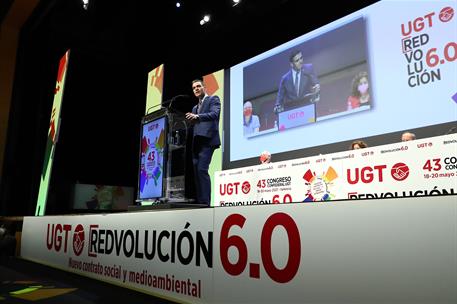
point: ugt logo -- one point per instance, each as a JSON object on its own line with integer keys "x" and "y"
{"x": 368, "y": 174}
{"x": 78, "y": 240}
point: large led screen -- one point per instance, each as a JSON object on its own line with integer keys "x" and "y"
{"x": 386, "y": 68}
{"x": 53, "y": 131}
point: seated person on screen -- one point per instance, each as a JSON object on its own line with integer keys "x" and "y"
{"x": 407, "y": 136}
{"x": 360, "y": 94}
{"x": 265, "y": 157}
{"x": 358, "y": 144}
{"x": 251, "y": 123}
{"x": 299, "y": 86}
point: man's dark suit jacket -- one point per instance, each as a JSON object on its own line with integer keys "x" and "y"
{"x": 287, "y": 94}
{"x": 208, "y": 123}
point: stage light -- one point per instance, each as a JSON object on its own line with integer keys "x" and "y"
{"x": 236, "y": 2}
{"x": 178, "y": 4}
{"x": 205, "y": 19}
{"x": 85, "y": 4}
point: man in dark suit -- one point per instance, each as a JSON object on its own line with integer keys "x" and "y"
{"x": 205, "y": 117}
{"x": 299, "y": 86}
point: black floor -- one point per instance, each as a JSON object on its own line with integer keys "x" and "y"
{"x": 22, "y": 281}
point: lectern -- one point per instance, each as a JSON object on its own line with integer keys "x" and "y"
{"x": 162, "y": 165}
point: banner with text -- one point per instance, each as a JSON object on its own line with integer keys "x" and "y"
{"x": 167, "y": 253}
{"x": 415, "y": 168}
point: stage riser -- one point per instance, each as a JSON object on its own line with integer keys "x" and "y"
{"x": 366, "y": 251}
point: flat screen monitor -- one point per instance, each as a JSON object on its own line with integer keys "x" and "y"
{"x": 152, "y": 158}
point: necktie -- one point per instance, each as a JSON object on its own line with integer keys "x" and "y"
{"x": 297, "y": 85}
{"x": 199, "y": 106}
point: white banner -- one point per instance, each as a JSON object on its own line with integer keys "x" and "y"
{"x": 405, "y": 169}
{"x": 384, "y": 251}
{"x": 166, "y": 253}
{"x": 371, "y": 251}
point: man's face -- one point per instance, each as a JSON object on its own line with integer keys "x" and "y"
{"x": 198, "y": 89}
{"x": 297, "y": 62}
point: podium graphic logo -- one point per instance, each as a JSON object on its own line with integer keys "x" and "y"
{"x": 319, "y": 185}
{"x": 399, "y": 171}
{"x": 246, "y": 187}
{"x": 78, "y": 240}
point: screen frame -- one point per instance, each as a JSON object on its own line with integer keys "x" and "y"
{"x": 431, "y": 129}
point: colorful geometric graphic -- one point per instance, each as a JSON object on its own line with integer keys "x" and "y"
{"x": 52, "y": 133}
{"x": 211, "y": 84}
{"x": 154, "y": 90}
{"x": 319, "y": 185}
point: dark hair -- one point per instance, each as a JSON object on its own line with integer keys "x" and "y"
{"x": 361, "y": 144}
{"x": 293, "y": 54}
{"x": 198, "y": 80}
{"x": 355, "y": 83}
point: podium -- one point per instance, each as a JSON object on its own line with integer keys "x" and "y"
{"x": 163, "y": 152}
{"x": 298, "y": 112}
{"x": 176, "y": 160}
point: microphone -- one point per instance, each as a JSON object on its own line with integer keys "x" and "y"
{"x": 147, "y": 111}
{"x": 170, "y": 102}
{"x": 181, "y": 96}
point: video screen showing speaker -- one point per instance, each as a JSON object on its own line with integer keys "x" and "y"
{"x": 358, "y": 77}
{"x": 152, "y": 158}
{"x": 102, "y": 197}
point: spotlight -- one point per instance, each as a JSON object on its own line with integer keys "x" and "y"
{"x": 236, "y": 2}
{"x": 85, "y": 4}
{"x": 205, "y": 19}
{"x": 178, "y": 4}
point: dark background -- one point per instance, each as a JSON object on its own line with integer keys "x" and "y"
{"x": 114, "y": 44}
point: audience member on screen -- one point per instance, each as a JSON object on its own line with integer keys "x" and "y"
{"x": 265, "y": 157}
{"x": 358, "y": 144}
{"x": 205, "y": 116}
{"x": 299, "y": 86}
{"x": 407, "y": 136}
{"x": 251, "y": 122}
{"x": 360, "y": 94}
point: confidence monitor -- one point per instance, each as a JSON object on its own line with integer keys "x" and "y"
{"x": 152, "y": 157}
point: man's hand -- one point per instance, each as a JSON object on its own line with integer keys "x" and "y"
{"x": 278, "y": 109}
{"x": 316, "y": 92}
{"x": 191, "y": 116}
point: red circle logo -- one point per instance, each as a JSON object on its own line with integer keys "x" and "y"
{"x": 446, "y": 14}
{"x": 78, "y": 240}
{"x": 400, "y": 171}
{"x": 246, "y": 187}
